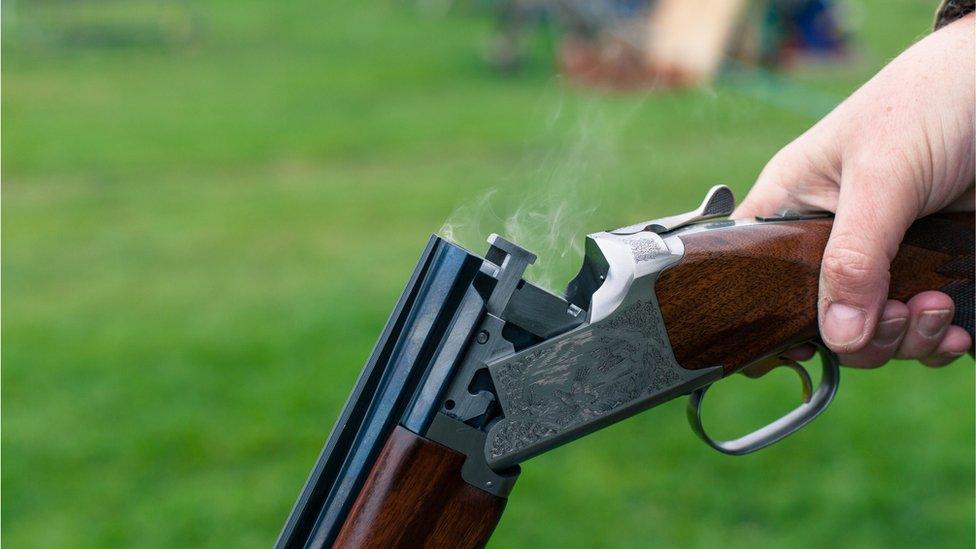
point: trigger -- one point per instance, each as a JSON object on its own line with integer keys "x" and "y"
{"x": 758, "y": 369}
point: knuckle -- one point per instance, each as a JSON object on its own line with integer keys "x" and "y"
{"x": 786, "y": 156}
{"x": 846, "y": 268}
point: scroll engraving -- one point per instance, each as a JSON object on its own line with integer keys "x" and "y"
{"x": 646, "y": 249}
{"x": 583, "y": 378}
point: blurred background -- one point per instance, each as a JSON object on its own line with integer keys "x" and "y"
{"x": 211, "y": 207}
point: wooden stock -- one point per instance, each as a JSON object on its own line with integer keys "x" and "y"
{"x": 415, "y": 497}
{"x": 742, "y": 293}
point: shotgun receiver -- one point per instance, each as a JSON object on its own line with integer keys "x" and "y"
{"x": 478, "y": 369}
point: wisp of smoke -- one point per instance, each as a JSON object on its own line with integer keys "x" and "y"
{"x": 546, "y": 205}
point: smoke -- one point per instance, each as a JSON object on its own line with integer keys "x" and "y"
{"x": 547, "y": 204}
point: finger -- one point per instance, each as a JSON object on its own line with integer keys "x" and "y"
{"x": 884, "y": 343}
{"x": 801, "y": 353}
{"x": 931, "y": 314}
{"x": 955, "y": 344}
{"x": 770, "y": 193}
{"x": 872, "y": 216}
{"x": 964, "y": 203}
{"x": 763, "y": 199}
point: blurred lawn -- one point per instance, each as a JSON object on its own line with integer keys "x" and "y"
{"x": 208, "y": 215}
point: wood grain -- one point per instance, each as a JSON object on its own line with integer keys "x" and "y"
{"x": 415, "y": 497}
{"x": 745, "y": 292}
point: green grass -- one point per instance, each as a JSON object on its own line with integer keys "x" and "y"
{"x": 205, "y": 228}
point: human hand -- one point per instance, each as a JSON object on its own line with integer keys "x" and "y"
{"x": 901, "y": 147}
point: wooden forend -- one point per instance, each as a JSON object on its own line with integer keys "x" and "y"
{"x": 415, "y": 497}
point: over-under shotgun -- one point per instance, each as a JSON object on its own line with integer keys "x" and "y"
{"x": 479, "y": 370}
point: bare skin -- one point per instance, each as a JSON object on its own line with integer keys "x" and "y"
{"x": 899, "y": 148}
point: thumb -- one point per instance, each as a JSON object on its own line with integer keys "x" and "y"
{"x": 872, "y": 216}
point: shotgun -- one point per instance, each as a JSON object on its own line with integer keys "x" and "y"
{"x": 478, "y": 369}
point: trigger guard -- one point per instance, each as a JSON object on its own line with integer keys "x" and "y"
{"x": 782, "y": 427}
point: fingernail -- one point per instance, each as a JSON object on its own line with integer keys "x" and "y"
{"x": 843, "y": 325}
{"x": 931, "y": 323}
{"x": 889, "y": 331}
